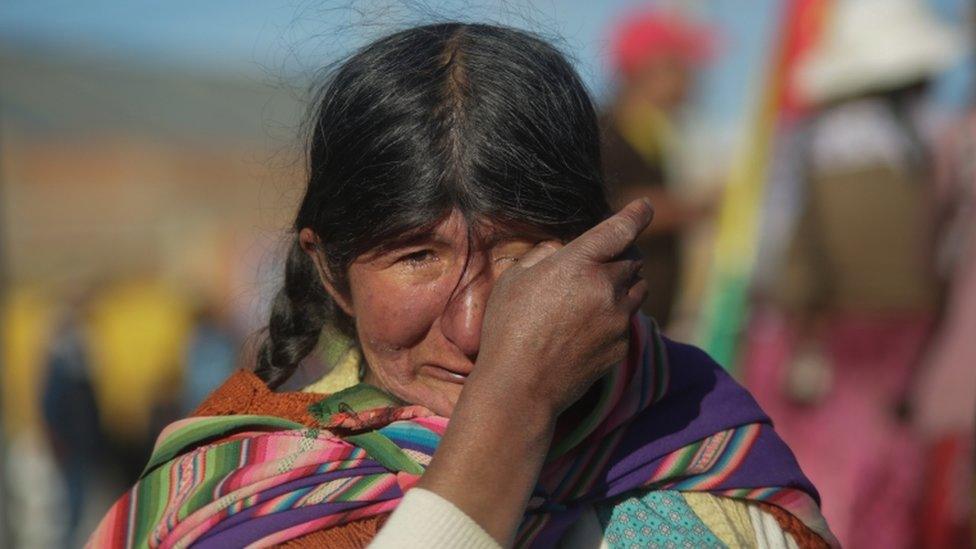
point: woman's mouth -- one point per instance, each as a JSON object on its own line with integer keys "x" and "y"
{"x": 443, "y": 374}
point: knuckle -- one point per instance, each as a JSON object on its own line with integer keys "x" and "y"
{"x": 550, "y": 246}
{"x": 609, "y": 297}
{"x": 593, "y": 245}
{"x": 620, "y": 228}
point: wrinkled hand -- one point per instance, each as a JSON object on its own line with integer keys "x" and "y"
{"x": 555, "y": 322}
{"x": 559, "y": 319}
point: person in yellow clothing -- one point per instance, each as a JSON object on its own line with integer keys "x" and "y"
{"x": 137, "y": 334}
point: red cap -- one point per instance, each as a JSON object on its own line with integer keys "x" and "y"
{"x": 650, "y": 35}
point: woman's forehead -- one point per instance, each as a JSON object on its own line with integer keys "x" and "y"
{"x": 481, "y": 231}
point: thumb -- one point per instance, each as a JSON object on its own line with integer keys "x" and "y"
{"x": 541, "y": 251}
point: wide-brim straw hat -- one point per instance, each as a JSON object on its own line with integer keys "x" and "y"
{"x": 873, "y": 46}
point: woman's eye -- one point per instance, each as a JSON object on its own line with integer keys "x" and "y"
{"x": 420, "y": 257}
{"x": 510, "y": 253}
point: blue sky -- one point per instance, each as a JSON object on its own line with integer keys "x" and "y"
{"x": 278, "y": 37}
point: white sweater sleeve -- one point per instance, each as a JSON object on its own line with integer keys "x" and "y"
{"x": 423, "y": 519}
{"x": 769, "y": 534}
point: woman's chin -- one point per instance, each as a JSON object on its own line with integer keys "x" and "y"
{"x": 438, "y": 395}
{"x": 431, "y": 387}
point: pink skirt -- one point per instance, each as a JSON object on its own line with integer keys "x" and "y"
{"x": 865, "y": 461}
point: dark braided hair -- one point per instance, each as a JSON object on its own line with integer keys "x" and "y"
{"x": 490, "y": 121}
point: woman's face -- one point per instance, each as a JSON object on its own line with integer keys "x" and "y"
{"x": 418, "y": 309}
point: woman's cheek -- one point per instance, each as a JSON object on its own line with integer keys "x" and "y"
{"x": 392, "y": 315}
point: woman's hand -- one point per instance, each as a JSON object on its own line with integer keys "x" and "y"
{"x": 554, "y": 324}
{"x": 560, "y": 318}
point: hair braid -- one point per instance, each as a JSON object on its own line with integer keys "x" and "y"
{"x": 299, "y": 312}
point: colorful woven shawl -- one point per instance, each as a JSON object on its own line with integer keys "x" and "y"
{"x": 666, "y": 418}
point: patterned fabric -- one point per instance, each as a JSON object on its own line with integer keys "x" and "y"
{"x": 727, "y": 518}
{"x": 656, "y": 519}
{"x": 246, "y": 480}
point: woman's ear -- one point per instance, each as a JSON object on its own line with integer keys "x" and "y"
{"x": 311, "y": 245}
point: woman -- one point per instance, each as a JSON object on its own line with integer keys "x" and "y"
{"x": 456, "y": 229}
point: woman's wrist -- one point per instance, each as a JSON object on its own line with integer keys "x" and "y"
{"x": 518, "y": 396}
{"x": 489, "y": 460}
{"x": 494, "y": 413}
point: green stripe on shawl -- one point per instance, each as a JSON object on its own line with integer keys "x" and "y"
{"x": 684, "y": 458}
{"x": 608, "y": 384}
{"x": 200, "y": 429}
{"x": 151, "y": 500}
{"x": 352, "y": 490}
{"x": 222, "y": 460}
{"x": 386, "y": 452}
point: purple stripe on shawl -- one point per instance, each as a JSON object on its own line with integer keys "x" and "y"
{"x": 244, "y": 528}
{"x": 371, "y": 469}
{"x": 244, "y": 533}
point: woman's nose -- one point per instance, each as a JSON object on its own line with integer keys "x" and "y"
{"x": 464, "y": 313}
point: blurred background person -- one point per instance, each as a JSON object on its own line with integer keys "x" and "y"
{"x": 857, "y": 283}
{"x": 71, "y": 413}
{"x": 140, "y": 329}
{"x": 657, "y": 54}
{"x": 210, "y": 356}
{"x": 944, "y": 400}
{"x": 945, "y": 397}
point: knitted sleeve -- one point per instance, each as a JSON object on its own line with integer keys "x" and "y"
{"x": 423, "y": 519}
